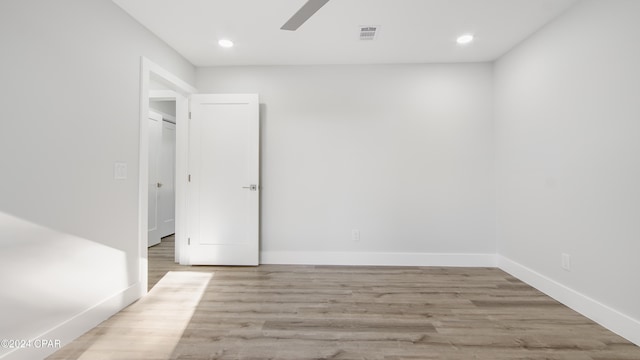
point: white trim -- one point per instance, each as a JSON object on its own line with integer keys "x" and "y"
{"x": 165, "y": 117}
{"x": 76, "y": 326}
{"x": 182, "y": 171}
{"x": 143, "y": 177}
{"x": 170, "y": 80}
{"x": 162, "y": 95}
{"x": 155, "y": 115}
{"x": 612, "y": 319}
{"x": 149, "y": 69}
{"x": 377, "y": 258}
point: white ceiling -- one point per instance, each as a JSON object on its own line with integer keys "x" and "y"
{"x": 411, "y": 31}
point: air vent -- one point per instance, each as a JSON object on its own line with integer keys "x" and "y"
{"x": 368, "y": 32}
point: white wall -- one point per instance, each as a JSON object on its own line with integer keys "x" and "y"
{"x": 568, "y": 145}
{"x": 166, "y": 107}
{"x": 402, "y": 153}
{"x": 62, "y": 62}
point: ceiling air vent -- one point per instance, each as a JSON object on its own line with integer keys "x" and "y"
{"x": 368, "y": 32}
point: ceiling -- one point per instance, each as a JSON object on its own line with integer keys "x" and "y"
{"x": 411, "y": 31}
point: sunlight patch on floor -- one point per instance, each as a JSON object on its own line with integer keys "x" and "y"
{"x": 153, "y": 326}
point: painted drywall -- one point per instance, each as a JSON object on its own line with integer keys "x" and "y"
{"x": 567, "y": 150}
{"x": 61, "y": 62}
{"x": 401, "y": 153}
{"x": 164, "y": 107}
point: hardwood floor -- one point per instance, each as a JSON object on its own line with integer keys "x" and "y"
{"x": 339, "y": 312}
{"x": 161, "y": 260}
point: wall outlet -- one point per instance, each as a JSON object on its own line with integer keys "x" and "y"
{"x": 566, "y": 262}
{"x": 355, "y": 235}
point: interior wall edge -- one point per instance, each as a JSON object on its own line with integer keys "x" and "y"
{"x": 74, "y": 327}
{"x": 608, "y": 317}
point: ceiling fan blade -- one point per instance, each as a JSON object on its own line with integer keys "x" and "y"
{"x": 302, "y": 15}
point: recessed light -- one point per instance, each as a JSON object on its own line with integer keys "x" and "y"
{"x": 225, "y": 43}
{"x": 464, "y": 39}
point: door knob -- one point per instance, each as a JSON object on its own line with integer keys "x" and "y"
{"x": 159, "y": 185}
{"x": 251, "y": 187}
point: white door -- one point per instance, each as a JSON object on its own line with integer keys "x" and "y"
{"x": 166, "y": 171}
{"x": 155, "y": 131}
{"x": 224, "y": 169}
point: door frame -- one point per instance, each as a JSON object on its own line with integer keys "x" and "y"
{"x": 182, "y": 91}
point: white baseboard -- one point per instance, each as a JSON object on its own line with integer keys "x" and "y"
{"x": 606, "y": 316}
{"x": 619, "y": 323}
{"x": 74, "y": 327}
{"x": 377, "y": 258}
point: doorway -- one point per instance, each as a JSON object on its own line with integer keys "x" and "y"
{"x": 159, "y": 84}
{"x": 162, "y": 155}
{"x": 226, "y": 124}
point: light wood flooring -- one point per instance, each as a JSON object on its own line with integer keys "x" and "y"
{"x": 339, "y": 312}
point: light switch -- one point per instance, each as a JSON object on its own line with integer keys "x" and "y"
{"x": 120, "y": 171}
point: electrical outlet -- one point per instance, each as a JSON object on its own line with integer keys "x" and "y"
{"x": 566, "y": 262}
{"x": 355, "y": 235}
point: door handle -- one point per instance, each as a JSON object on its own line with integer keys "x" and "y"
{"x": 251, "y": 187}
{"x": 159, "y": 185}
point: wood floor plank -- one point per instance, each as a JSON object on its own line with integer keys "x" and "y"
{"x": 341, "y": 312}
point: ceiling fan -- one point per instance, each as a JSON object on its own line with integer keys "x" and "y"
{"x": 306, "y": 11}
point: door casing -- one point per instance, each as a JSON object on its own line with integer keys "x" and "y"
{"x": 181, "y": 91}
